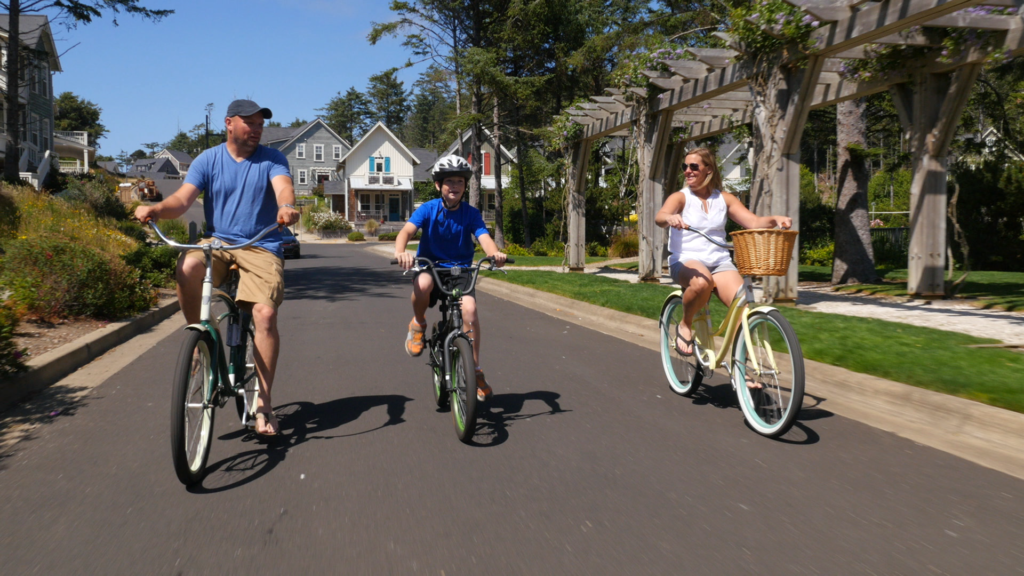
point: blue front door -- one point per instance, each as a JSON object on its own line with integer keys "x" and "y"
{"x": 394, "y": 209}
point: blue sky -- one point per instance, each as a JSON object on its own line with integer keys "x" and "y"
{"x": 291, "y": 56}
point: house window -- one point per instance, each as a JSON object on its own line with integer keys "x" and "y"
{"x": 300, "y": 151}
{"x": 302, "y": 176}
{"x": 318, "y": 153}
{"x": 46, "y": 134}
{"x": 378, "y": 202}
{"x": 364, "y": 202}
{"x": 34, "y": 131}
{"x": 490, "y": 201}
{"x": 487, "y": 163}
{"x": 337, "y": 152}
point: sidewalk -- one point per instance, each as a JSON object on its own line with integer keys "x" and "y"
{"x": 985, "y": 435}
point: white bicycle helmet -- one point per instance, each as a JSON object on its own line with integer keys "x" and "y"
{"x": 452, "y": 166}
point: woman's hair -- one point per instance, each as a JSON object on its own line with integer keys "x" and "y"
{"x": 714, "y": 179}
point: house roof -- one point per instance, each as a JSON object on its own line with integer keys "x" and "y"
{"x": 149, "y": 166}
{"x": 110, "y": 166}
{"x": 381, "y": 126}
{"x": 422, "y": 172}
{"x": 178, "y": 155}
{"x": 468, "y": 133}
{"x": 32, "y": 27}
{"x": 276, "y": 134}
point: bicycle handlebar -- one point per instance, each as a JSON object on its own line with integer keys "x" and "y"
{"x": 217, "y": 244}
{"x": 432, "y": 268}
{"x": 712, "y": 240}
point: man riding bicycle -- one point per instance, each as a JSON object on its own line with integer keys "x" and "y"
{"x": 449, "y": 226}
{"x": 247, "y": 188}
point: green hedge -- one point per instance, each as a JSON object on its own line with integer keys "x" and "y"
{"x": 394, "y": 236}
{"x": 53, "y": 278}
{"x": 356, "y": 236}
{"x": 11, "y": 358}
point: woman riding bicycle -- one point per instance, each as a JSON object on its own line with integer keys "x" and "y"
{"x": 696, "y": 264}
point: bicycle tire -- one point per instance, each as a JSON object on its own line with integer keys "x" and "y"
{"x": 684, "y": 373}
{"x": 192, "y": 427}
{"x": 252, "y": 386}
{"x": 771, "y": 409}
{"x": 463, "y": 394}
{"x": 441, "y": 397}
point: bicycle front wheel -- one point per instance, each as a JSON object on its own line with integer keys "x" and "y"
{"x": 769, "y": 375}
{"x": 191, "y": 414}
{"x": 684, "y": 373}
{"x": 434, "y": 347}
{"x": 463, "y": 396}
{"x": 245, "y": 402}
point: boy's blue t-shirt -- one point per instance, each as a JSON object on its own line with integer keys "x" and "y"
{"x": 239, "y": 200}
{"x": 447, "y": 235}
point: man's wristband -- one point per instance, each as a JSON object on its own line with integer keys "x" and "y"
{"x": 286, "y": 206}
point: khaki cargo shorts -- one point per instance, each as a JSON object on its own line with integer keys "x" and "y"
{"x": 261, "y": 273}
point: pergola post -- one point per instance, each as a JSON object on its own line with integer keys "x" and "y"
{"x": 794, "y": 97}
{"x": 929, "y": 107}
{"x": 652, "y": 184}
{"x": 576, "y": 187}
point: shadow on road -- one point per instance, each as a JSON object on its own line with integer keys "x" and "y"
{"x": 300, "y": 423}
{"x": 502, "y": 410}
{"x": 337, "y": 283}
{"x": 722, "y": 396}
{"x": 21, "y": 423}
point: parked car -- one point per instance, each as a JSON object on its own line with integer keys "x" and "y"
{"x": 290, "y": 244}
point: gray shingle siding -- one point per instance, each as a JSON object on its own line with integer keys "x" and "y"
{"x": 318, "y": 133}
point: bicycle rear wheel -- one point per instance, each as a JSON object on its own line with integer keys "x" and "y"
{"x": 246, "y": 400}
{"x": 771, "y": 399}
{"x": 684, "y": 373}
{"x": 191, "y": 415}
{"x": 463, "y": 396}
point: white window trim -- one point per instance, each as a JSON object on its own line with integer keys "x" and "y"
{"x": 302, "y": 177}
{"x": 300, "y": 151}
{"x": 337, "y": 152}
{"x": 318, "y": 151}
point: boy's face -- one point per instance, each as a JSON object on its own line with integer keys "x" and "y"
{"x": 452, "y": 188}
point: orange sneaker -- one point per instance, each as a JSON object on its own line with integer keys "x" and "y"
{"x": 414, "y": 339}
{"x": 483, "y": 390}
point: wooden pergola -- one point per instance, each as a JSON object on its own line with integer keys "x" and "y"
{"x": 712, "y": 94}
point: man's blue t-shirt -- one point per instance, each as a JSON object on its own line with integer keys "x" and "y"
{"x": 448, "y": 234}
{"x": 239, "y": 201}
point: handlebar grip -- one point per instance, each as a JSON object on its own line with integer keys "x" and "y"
{"x": 394, "y": 260}
{"x": 510, "y": 260}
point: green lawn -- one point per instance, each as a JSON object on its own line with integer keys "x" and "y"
{"x": 931, "y": 359}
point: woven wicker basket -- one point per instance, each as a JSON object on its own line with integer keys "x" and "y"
{"x": 763, "y": 252}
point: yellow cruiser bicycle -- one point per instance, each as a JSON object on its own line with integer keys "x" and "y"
{"x": 767, "y": 364}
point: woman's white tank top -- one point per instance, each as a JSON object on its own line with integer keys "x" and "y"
{"x": 685, "y": 245}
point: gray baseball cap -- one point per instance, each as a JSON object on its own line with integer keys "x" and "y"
{"x": 247, "y": 108}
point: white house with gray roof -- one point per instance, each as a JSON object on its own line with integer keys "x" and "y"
{"x": 461, "y": 146}
{"x": 377, "y": 179}
{"x": 314, "y": 152}
{"x": 179, "y": 159}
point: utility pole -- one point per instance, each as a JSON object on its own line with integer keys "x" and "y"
{"x": 209, "y": 111}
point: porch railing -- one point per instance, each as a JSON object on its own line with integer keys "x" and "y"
{"x": 75, "y": 136}
{"x": 72, "y": 167}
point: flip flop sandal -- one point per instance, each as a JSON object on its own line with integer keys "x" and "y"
{"x": 685, "y": 341}
{"x": 266, "y": 423}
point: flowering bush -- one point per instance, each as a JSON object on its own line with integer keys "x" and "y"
{"x": 329, "y": 222}
{"x": 11, "y": 358}
{"x": 42, "y": 215}
{"x": 53, "y": 278}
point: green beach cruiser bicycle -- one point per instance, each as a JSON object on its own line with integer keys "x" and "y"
{"x": 450, "y": 348}
{"x": 207, "y": 377}
{"x": 766, "y": 366}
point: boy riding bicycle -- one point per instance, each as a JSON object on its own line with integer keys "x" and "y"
{"x": 449, "y": 226}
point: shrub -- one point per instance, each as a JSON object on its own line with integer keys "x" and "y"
{"x": 132, "y": 229}
{"x": 356, "y": 236}
{"x": 55, "y": 278}
{"x": 372, "y": 226}
{"x": 175, "y": 229}
{"x": 548, "y": 247}
{"x": 513, "y": 249}
{"x": 98, "y": 196}
{"x": 327, "y": 221}
{"x": 625, "y": 245}
{"x": 155, "y": 264}
{"x": 42, "y": 215}
{"x": 820, "y": 255}
{"x": 595, "y": 249}
{"x": 11, "y": 358}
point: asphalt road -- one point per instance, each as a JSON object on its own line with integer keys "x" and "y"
{"x": 585, "y": 464}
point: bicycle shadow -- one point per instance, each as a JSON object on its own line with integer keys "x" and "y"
{"x": 503, "y": 410}
{"x": 722, "y": 396}
{"x": 300, "y": 422}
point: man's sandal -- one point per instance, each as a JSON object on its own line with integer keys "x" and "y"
{"x": 273, "y": 425}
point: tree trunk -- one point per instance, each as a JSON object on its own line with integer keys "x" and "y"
{"x": 522, "y": 192}
{"x": 854, "y": 260}
{"x": 474, "y": 149}
{"x": 499, "y": 220}
{"x": 12, "y": 154}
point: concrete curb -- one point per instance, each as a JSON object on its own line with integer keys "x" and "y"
{"x": 51, "y": 367}
{"x": 985, "y": 435}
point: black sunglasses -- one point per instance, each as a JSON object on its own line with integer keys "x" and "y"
{"x": 693, "y": 167}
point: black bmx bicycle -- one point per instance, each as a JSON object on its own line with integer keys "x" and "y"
{"x": 206, "y": 378}
{"x": 450, "y": 348}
